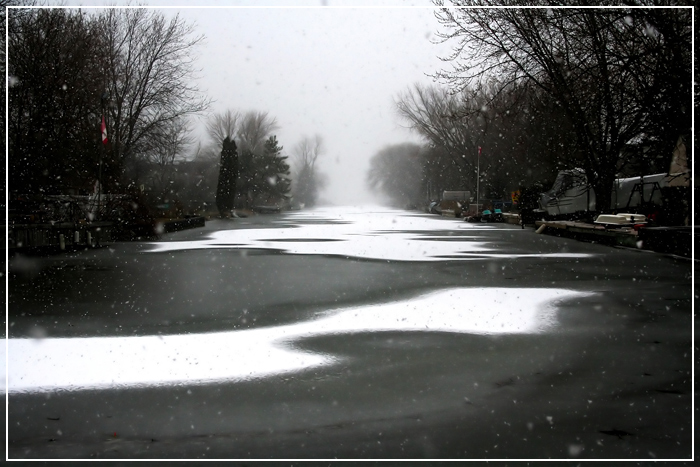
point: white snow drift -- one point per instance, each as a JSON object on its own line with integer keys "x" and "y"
{"x": 41, "y": 365}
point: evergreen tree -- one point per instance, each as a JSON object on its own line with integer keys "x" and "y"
{"x": 264, "y": 177}
{"x": 274, "y": 171}
{"x": 246, "y": 177}
{"x": 226, "y": 188}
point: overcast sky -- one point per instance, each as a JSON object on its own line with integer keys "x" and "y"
{"x": 330, "y": 68}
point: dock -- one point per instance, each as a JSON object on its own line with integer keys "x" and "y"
{"x": 677, "y": 240}
{"x": 59, "y": 234}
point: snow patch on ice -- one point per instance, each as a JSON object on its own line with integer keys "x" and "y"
{"x": 49, "y": 364}
{"x": 378, "y": 234}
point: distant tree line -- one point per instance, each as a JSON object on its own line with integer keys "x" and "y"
{"x": 515, "y": 138}
{"x": 253, "y": 171}
{"x": 541, "y": 89}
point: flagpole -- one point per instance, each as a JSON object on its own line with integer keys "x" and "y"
{"x": 478, "y": 176}
{"x": 103, "y": 141}
{"x": 102, "y": 151}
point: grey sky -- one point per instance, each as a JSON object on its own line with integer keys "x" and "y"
{"x": 319, "y": 69}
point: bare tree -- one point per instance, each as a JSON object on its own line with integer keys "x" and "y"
{"x": 307, "y": 181}
{"x": 150, "y": 79}
{"x": 165, "y": 148}
{"x": 443, "y": 120}
{"x": 397, "y": 172}
{"x": 223, "y": 125}
{"x": 582, "y": 58}
{"x": 254, "y": 128}
{"x": 3, "y": 67}
{"x": 307, "y": 151}
{"x": 250, "y": 129}
{"x": 54, "y": 100}
{"x": 513, "y": 125}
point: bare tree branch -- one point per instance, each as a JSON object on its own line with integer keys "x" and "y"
{"x": 150, "y": 77}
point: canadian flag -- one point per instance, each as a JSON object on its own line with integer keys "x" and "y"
{"x": 104, "y": 131}
{"x": 479, "y": 146}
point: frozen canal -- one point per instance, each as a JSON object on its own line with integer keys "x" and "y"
{"x": 351, "y": 333}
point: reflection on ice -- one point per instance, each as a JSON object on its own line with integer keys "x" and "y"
{"x": 379, "y": 234}
{"x": 81, "y": 363}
